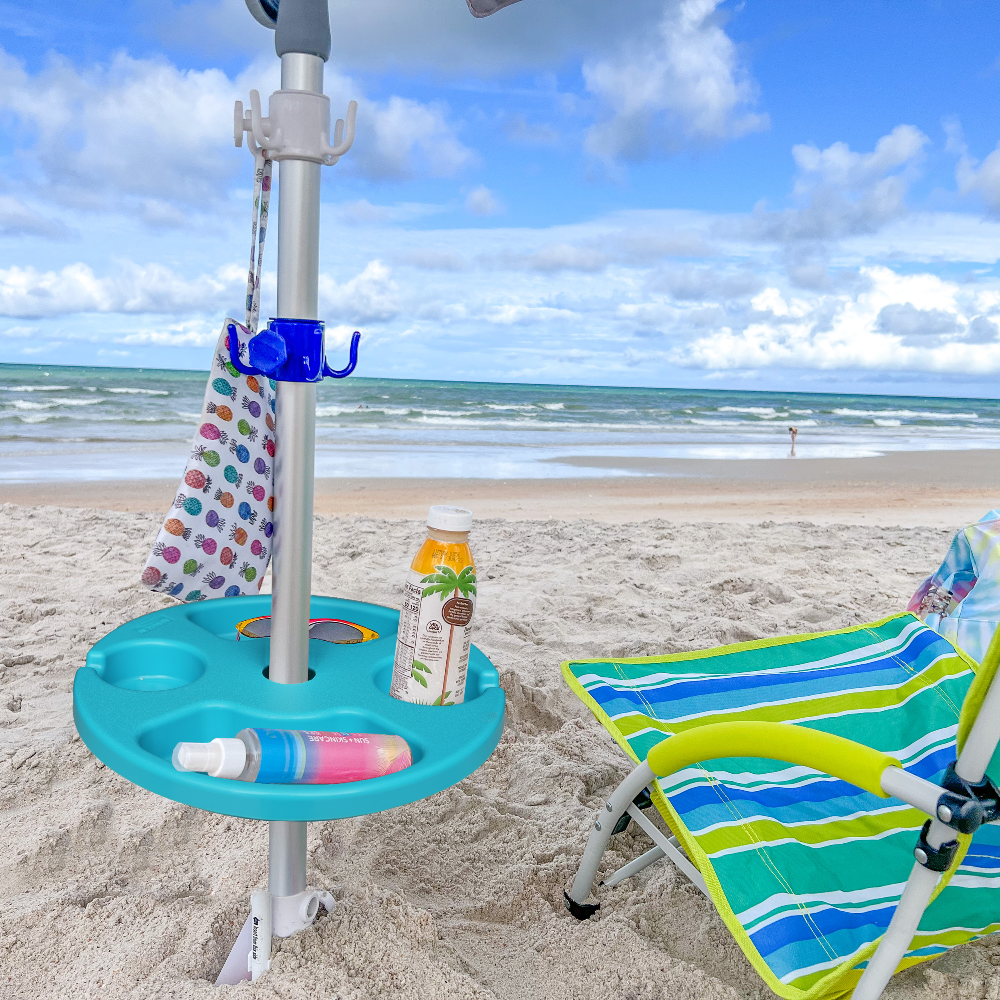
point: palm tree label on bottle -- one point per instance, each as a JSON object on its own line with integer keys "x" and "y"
{"x": 435, "y": 626}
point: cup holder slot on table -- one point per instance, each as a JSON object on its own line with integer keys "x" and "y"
{"x": 152, "y": 665}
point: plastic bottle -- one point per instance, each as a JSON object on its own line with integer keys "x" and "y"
{"x": 435, "y": 625}
{"x": 290, "y": 756}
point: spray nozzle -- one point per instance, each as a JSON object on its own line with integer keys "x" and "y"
{"x": 222, "y": 758}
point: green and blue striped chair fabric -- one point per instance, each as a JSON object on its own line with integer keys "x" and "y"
{"x": 807, "y": 869}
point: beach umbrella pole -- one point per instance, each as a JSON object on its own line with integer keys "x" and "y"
{"x": 298, "y": 289}
{"x": 296, "y": 134}
{"x": 298, "y": 284}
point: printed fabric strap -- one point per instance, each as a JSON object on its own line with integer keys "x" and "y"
{"x": 261, "y": 204}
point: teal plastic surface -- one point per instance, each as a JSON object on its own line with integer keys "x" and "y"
{"x": 180, "y": 674}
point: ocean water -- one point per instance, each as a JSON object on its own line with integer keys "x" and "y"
{"x": 126, "y": 423}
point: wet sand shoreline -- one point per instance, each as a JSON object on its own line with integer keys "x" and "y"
{"x": 941, "y": 488}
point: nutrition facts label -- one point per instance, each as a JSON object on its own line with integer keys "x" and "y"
{"x": 406, "y": 638}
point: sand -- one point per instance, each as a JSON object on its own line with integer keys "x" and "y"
{"x": 111, "y": 891}
{"x": 942, "y": 488}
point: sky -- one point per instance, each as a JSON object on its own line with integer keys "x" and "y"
{"x": 766, "y": 194}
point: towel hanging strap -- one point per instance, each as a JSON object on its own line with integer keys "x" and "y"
{"x": 261, "y": 204}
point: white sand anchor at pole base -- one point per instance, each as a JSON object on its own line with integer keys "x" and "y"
{"x": 260, "y": 934}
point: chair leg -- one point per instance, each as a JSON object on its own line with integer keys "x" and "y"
{"x": 899, "y": 934}
{"x": 670, "y": 847}
{"x": 634, "y": 867}
{"x": 621, "y": 798}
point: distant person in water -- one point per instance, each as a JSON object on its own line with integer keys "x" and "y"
{"x": 794, "y": 432}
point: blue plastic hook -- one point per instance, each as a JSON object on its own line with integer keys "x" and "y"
{"x": 289, "y": 351}
{"x": 235, "y": 349}
{"x": 328, "y": 372}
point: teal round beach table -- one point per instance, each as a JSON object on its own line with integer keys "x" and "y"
{"x": 181, "y": 674}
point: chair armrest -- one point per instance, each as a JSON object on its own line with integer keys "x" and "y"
{"x": 845, "y": 759}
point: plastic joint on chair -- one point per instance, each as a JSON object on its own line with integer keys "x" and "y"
{"x": 989, "y": 798}
{"x": 959, "y": 806}
{"x": 934, "y": 859}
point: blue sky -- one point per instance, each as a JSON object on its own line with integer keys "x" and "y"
{"x": 780, "y": 195}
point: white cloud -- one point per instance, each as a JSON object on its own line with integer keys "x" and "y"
{"x": 548, "y": 259}
{"x": 909, "y": 323}
{"x": 19, "y": 332}
{"x": 840, "y": 192}
{"x": 971, "y": 175}
{"x": 196, "y": 333}
{"x": 433, "y": 259}
{"x": 982, "y": 331}
{"x": 675, "y": 288}
{"x": 153, "y": 288}
{"x": 134, "y": 129}
{"x": 398, "y": 138}
{"x": 515, "y": 313}
{"x": 700, "y": 284}
{"x": 916, "y": 326}
{"x": 363, "y": 213}
{"x": 841, "y": 167}
{"x": 482, "y": 201}
{"x": 133, "y": 289}
{"x": 678, "y": 85}
{"x": 18, "y": 219}
{"x": 647, "y": 314}
{"x": 369, "y": 297}
{"x": 631, "y": 240}
{"x": 143, "y": 136}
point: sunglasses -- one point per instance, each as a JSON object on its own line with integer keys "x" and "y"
{"x": 327, "y": 629}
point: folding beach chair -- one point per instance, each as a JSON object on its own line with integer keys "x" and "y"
{"x": 961, "y": 598}
{"x": 795, "y": 777}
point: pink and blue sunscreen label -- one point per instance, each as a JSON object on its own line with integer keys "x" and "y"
{"x": 307, "y": 757}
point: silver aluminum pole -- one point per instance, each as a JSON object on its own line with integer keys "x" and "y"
{"x": 286, "y": 858}
{"x": 294, "y": 465}
{"x": 298, "y": 289}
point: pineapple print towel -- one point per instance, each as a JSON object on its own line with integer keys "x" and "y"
{"x": 216, "y": 540}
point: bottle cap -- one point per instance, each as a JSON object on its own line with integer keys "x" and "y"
{"x": 446, "y": 518}
{"x": 222, "y": 758}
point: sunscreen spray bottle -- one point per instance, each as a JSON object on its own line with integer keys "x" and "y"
{"x": 289, "y": 756}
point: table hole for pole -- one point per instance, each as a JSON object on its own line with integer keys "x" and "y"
{"x": 266, "y": 673}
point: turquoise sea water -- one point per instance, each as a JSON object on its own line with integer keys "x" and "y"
{"x": 128, "y": 423}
